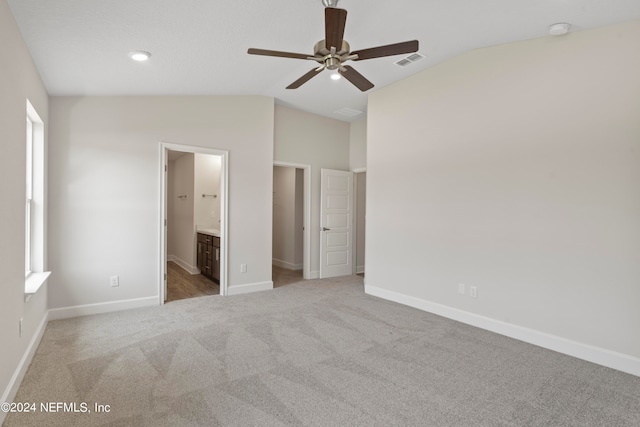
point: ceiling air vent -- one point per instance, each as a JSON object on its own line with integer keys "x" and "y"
{"x": 410, "y": 59}
{"x": 348, "y": 112}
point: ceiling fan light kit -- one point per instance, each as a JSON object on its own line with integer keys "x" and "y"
{"x": 332, "y": 52}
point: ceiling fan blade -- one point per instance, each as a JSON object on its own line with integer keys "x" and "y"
{"x": 302, "y": 80}
{"x": 334, "y": 21}
{"x": 356, "y": 78}
{"x": 265, "y": 52}
{"x": 388, "y": 50}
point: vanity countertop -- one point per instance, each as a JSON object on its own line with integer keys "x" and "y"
{"x": 209, "y": 231}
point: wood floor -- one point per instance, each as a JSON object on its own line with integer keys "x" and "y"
{"x": 182, "y": 285}
{"x": 282, "y": 276}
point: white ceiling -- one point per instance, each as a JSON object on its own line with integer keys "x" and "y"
{"x": 199, "y": 46}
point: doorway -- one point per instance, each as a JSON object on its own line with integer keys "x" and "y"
{"x": 359, "y": 215}
{"x": 194, "y": 198}
{"x": 291, "y": 219}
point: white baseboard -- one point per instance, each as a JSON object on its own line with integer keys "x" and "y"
{"x": 284, "y": 264}
{"x": 600, "y": 356}
{"x": 103, "y": 307}
{"x": 14, "y": 384}
{"x": 250, "y": 287}
{"x": 185, "y": 265}
{"x": 359, "y": 269}
{"x": 314, "y": 274}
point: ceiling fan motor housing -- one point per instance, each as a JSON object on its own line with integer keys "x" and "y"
{"x": 330, "y": 59}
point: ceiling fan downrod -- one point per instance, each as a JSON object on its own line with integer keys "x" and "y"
{"x": 330, "y": 3}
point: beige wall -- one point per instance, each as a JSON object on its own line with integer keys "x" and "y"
{"x": 180, "y": 211}
{"x": 306, "y": 138}
{"x": 358, "y": 144}
{"x": 19, "y": 81}
{"x": 105, "y": 180}
{"x": 515, "y": 169}
{"x": 207, "y": 181}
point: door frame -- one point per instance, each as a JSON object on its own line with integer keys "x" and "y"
{"x": 224, "y": 211}
{"x": 306, "y": 234}
{"x": 355, "y": 217}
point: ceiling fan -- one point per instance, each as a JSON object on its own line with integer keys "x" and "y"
{"x": 332, "y": 52}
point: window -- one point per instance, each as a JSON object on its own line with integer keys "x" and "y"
{"x": 27, "y": 221}
{"x": 34, "y": 244}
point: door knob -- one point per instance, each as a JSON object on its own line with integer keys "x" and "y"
{"x": 325, "y": 229}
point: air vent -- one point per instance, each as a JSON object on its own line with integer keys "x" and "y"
{"x": 414, "y": 57}
{"x": 348, "y": 112}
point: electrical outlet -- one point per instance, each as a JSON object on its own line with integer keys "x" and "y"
{"x": 20, "y": 329}
{"x": 114, "y": 281}
{"x": 473, "y": 292}
{"x": 243, "y": 268}
{"x": 461, "y": 288}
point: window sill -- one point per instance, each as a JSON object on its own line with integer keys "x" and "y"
{"x": 33, "y": 283}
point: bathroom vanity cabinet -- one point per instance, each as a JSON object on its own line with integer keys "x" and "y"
{"x": 209, "y": 255}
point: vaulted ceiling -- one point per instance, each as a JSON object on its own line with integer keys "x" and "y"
{"x": 199, "y": 47}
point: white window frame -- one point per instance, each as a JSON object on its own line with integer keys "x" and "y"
{"x": 28, "y": 223}
{"x": 35, "y": 206}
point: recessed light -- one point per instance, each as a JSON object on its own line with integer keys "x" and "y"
{"x": 139, "y": 55}
{"x": 335, "y": 76}
{"x": 559, "y": 29}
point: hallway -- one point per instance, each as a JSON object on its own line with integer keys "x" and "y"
{"x": 282, "y": 276}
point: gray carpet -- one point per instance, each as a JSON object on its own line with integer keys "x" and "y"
{"x": 318, "y": 353}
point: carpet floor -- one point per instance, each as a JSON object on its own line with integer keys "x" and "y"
{"x": 316, "y": 353}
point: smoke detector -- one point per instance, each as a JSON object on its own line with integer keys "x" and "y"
{"x": 559, "y": 29}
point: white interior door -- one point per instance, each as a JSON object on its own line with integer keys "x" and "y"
{"x": 336, "y": 223}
